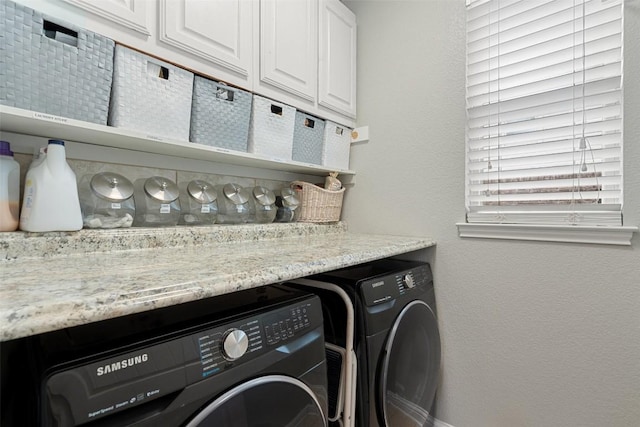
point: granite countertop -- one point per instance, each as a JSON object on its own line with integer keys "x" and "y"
{"x": 52, "y": 281}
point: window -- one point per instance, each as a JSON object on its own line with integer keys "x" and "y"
{"x": 544, "y": 112}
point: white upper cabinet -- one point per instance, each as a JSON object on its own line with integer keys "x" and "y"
{"x": 130, "y": 14}
{"x": 219, "y": 31}
{"x": 337, "y": 58}
{"x": 307, "y": 57}
{"x": 289, "y": 48}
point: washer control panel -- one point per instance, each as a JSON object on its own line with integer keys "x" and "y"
{"x": 222, "y": 347}
{"x": 282, "y": 325}
{"x": 217, "y": 346}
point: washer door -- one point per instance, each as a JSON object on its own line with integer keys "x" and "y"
{"x": 270, "y": 401}
{"x": 410, "y": 366}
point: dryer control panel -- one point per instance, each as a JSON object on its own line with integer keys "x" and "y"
{"x": 384, "y": 288}
{"x": 381, "y": 281}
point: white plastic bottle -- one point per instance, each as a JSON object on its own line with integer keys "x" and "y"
{"x": 51, "y": 200}
{"x": 38, "y": 157}
{"x": 9, "y": 188}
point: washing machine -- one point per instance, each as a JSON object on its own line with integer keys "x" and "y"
{"x": 396, "y": 338}
{"x": 246, "y": 359}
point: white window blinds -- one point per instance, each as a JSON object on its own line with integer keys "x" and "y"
{"x": 544, "y": 111}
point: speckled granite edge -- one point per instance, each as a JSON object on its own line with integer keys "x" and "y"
{"x": 57, "y": 293}
{"x": 19, "y": 245}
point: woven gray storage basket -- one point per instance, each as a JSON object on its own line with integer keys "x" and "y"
{"x": 271, "y": 128}
{"x": 150, "y": 95}
{"x": 45, "y": 68}
{"x": 307, "y": 139}
{"x": 220, "y": 115}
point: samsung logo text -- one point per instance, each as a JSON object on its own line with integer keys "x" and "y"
{"x": 122, "y": 364}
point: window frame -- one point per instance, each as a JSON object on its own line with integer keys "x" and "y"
{"x": 589, "y": 232}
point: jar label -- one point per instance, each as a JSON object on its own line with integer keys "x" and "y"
{"x": 205, "y": 209}
{"x": 115, "y": 206}
{"x": 165, "y": 208}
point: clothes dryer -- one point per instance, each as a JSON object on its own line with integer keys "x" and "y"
{"x": 246, "y": 359}
{"x": 397, "y": 342}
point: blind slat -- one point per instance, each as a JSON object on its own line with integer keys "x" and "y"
{"x": 547, "y": 67}
{"x": 595, "y": 142}
{"x": 478, "y": 106}
{"x": 557, "y": 115}
{"x": 608, "y": 182}
{"x": 604, "y": 127}
{"x": 548, "y": 95}
{"x": 519, "y": 89}
{"x": 550, "y": 160}
{"x": 598, "y": 52}
{"x": 549, "y": 198}
{"x": 540, "y": 149}
{"x": 611, "y": 167}
{"x": 607, "y": 105}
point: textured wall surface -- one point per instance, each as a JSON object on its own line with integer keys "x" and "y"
{"x": 534, "y": 334}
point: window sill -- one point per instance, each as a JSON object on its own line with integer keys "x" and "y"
{"x": 550, "y": 233}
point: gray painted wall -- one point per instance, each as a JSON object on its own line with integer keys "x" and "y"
{"x": 534, "y": 333}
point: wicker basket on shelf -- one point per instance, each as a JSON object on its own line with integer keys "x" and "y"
{"x": 318, "y": 204}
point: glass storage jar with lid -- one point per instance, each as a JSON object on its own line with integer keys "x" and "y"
{"x": 233, "y": 204}
{"x": 263, "y": 205}
{"x": 198, "y": 204}
{"x": 287, "y": 202}
{"x": 157, "y": 202}
{"x": 106, "y": 201}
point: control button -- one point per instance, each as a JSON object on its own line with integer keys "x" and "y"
{"x": 408, "y": 281}
{"x": 235, "y": 344}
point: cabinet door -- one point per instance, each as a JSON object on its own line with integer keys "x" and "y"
{"x": 131, "y": 14}
{"x": 220, "y": 31}
{"x": 288, "y": 46}
{"x": 337, "y": 58}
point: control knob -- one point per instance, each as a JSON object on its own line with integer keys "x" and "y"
{"x": 407, "y": 279}
{"x": 234, "y": 344}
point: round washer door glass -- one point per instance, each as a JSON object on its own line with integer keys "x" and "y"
{"x": 410, "y": 367}
{"x": 270, "y": 401}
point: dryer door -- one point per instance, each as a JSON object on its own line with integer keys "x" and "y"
{"x": 269, "y": 401}
{"x": 410, "y": 367}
